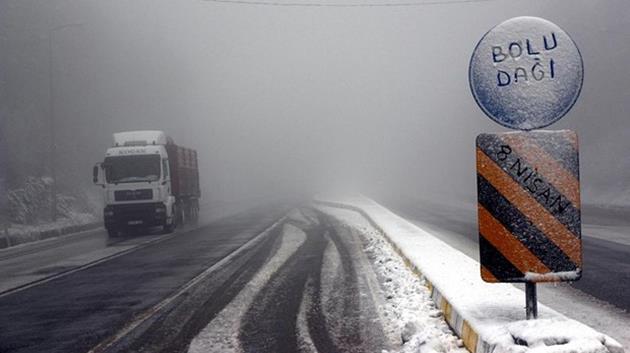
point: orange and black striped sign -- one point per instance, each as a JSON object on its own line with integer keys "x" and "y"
{"x": 528, "y": 186}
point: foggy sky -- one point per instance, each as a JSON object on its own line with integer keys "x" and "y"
{"x": 275, "y": 99}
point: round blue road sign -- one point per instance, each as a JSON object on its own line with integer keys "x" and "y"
{"x": 526, "y": 73}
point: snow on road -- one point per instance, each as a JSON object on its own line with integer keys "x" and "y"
{"x": 409, "y": 312}
{"x": 221, "y": 334}
{"x": 364, "y": 298}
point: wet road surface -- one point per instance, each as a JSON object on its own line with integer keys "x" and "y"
{"x": 316, "y": 293}
{"x": 336, "y": 317}
{"x": 245, "y": 283}
{"x": 76, "y": 312}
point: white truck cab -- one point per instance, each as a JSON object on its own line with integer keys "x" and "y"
{"x": 137, "y": 182}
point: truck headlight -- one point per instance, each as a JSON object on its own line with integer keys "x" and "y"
{"x": 160, "y": 209}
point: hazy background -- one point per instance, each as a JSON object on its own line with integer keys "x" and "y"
{"x": 278, "y": 99}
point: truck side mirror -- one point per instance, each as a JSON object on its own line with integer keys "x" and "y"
{"x": 96, "y": 174}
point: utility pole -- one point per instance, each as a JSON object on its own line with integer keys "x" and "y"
{"x": 51, "y": 104}
{"x": 4, "y": 207}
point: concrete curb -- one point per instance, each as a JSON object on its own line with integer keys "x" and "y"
{"x": 47, "y": 234}
{"x": 474, "y": 340}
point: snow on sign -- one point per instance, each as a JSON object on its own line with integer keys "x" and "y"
{"x": 526, "y": 73}
{"x": 529, "y": 206}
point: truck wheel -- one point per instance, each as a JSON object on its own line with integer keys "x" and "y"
{"x": 182, "y": 217}
{"x": 113, "y": 233}
{"x": 195, "y": 212}
{"x": 169, "y": 228}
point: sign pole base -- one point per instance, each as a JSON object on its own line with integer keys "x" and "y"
{"x": 531, "y": 301}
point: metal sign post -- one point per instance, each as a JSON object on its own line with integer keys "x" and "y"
{"x": 525, "y": 74}
{"x": 531, "y": 301}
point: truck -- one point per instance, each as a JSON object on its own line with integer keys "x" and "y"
{"x": 148, "y": 181}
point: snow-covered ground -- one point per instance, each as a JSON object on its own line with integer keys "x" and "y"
{"x": 559, "y": 296}
{"x": 409, "y": 319}
{"x": 439, "y": 220}
{"x": 494, "y": 311}
{"x": 409, "y": 311}
{"x": 28, "y": 211}
{"x": 20, "y": 234}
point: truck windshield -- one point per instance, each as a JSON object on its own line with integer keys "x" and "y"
{"x": 129, "y": 169}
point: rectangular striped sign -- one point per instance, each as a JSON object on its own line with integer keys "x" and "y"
{"x": 528, "y": 188}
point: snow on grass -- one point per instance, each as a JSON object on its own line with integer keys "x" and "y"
{"x": 409, "y": 313}
{"x": 29, "y": 211}
{"x": 495, "y": 311}
{"x": 20, "y": 233}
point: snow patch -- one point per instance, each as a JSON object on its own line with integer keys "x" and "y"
{"x": 29, "y": 211}
{"x": 553, "y": 276}
{"x": 298, "y": 216}
{"x": 305, "y": 341}
{"x": 560, "y": 336}
{"x": 221, "y": 334}
{"x": 144, "y": 137}
{"x": 408, "y": 312}
{"x": 495, "y": 311}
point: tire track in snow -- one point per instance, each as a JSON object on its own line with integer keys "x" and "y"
{"x": 345, "y": 306}
{"x": 172, "y": 330}
{"x": 312, "y": 295}
{"x": 316, "y": 301}
{"x": 221, "y": 334}
{"x": 305, "y": 341}
{"x": 353, "y": 294}
{"x": 270, "y": 324}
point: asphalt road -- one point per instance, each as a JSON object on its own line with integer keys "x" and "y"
{"x": 27, "y": 263}
{"x": 336, "y": 321}
{"x": 606, "y": 274}
{"x": 315, "y": 293}
{"x": 300, "y": 285}
{"x": 606, "y": 271}
{"x": 32, "y": 262}
{"x": 76, "y": 312}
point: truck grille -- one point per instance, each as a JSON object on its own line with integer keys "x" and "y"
{"x": 132, "y": 195}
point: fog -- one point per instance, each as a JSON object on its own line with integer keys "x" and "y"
{"x": 285, "y": 99}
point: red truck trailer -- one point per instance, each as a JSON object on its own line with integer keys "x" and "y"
{"x": 184, "y": 179}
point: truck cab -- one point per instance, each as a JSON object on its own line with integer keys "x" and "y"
{"x": 137, "y": 183}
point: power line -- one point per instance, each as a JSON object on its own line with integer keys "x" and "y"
{"x": 324, "y": 4}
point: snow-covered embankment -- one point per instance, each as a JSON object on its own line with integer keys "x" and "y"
{"x": 487, "y": 317}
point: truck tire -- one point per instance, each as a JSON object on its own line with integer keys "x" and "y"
{"x": 190, "y": 216}
{"x": 182, "y": 217}
{"x": 169, "y": 228}
{"x": 113, "y": 233}
{"x": 195, "y": 213}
